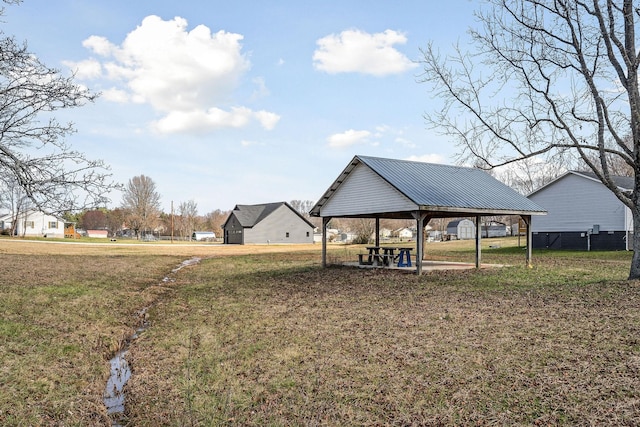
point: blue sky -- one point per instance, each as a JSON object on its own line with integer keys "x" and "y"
{"x": 244, "y": 102}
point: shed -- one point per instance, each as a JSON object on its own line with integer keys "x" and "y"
{"x": 103, "y": 234}
{"x": 373, "y": 187}
{"x": 494, "y": 229}
{"x": 461, "y": 229}
{"x": 267, "y": 223}
{"x": 583, "y": 214}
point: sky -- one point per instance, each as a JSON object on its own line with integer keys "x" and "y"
{"x": 244, "y": 102}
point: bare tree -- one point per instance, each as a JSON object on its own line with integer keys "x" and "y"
{"x": 188, "y": 212}
{"x": 14, "y": 199}
{"x": 94, "y": 220}
{"x": 115, "y": 221}
{"x": 142, "y": 203}
{"x": 556, "y": 78}
{"x": 33, "y": 151}
{"x": 364, "y": 229}
{"x": 302, "y": 206}
{"x": 214, "y": 220}
{"x": 529, "y": 174}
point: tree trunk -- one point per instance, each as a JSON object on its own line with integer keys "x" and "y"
{"x": 634, "y": 273}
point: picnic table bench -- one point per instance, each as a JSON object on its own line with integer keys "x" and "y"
{"x": 387, "y": 257}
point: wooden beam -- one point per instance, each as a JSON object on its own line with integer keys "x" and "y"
{"x": 420, "y": 218}
{"x": 325, "y": 224}
{"x": 377, "y": 231}
{"x": 529, "y": 252}
{"x": 478, "y": 241}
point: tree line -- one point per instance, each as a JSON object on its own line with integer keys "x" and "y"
{"x": 540, "y": 82}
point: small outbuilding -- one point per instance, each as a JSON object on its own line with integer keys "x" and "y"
{"x": 265, "y": 224}
{"x": 372, "y": 187}
{"x": 583, "y": 214}
{"x": 461, "y": 229}
{"x": 494, "y": 229}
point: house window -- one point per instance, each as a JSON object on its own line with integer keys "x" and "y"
{"x": 307, "y": 234}
{"x": 287, "y": 234}
{"x": 53, "y": 224}
{"x": 29, "y": 224}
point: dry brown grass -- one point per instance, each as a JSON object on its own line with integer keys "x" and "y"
{"x": 274, "y": 340}
{"x": 265, "y": 336}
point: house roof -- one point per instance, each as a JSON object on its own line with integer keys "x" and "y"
{"x": 250, "y": 215}
{"x": 625, "y": 183}
{"x": 440, "y": 188}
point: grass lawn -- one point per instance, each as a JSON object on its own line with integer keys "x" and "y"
{"x": 265, "y": 336}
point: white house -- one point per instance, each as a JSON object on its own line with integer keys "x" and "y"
{"x": 34, "y": 223}
{"x": 582, "y": 214}
{"x": 404, "y": 233}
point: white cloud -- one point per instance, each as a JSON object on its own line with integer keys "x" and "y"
{"x": 100, "y": 45}
{"x": 116, "y": 95}
{"x": 187, "y": 76}
{"x": 85, "y": 70}
{"x": 348, "y": 138}
{"x": 405, "y": 142}
{"x": 214, "y": 118}
{"x": 428, "y": 158}
{"x": 267, "y": 120}
{"x": 261, "y": 90}
{"x": 355, "y": 51}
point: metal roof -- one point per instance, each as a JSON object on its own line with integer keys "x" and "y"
{"x": 250, "y": 215}
{"x": 624, "y": 183}
{"x": 441, "y": 188}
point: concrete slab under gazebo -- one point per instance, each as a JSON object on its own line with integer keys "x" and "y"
{"x": 373, "y": 187}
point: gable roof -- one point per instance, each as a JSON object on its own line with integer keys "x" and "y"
{"x": 624, "y": 183}
{"x": 440, "y": 188}
{"x": 250, "y": 215}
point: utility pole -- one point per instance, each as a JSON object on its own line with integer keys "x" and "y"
{"x": 172, "y": 221}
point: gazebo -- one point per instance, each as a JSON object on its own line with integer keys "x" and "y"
{"x": 372, "y": 187}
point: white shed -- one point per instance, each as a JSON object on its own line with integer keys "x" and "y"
{"x": 461, "y": 229}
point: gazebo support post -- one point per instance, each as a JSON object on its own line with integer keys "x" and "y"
{"x": 325, "y": 224}
{"x": 420, "y": 218}
{"x": 478, "y": 241}
{"x": 529, "y": 256}
{"x": 377, "y": 231}
{"x": 425, "y": 222}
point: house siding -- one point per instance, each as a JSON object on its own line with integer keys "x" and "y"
{"x": 365, "y": 192}
{"x": 274, "y": 228}
{"x": 576, "y": 204}
{"x": 233, "y": 231}
{"x": 35, "y": 223}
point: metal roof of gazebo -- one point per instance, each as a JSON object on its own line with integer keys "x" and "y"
{"x": 372, "y": 187}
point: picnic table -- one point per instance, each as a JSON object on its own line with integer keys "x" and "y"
{"x": 385, "y": 255}
{"x": 404, "y": 257}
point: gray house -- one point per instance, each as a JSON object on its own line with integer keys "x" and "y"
{"x": 267, "y": 223}
{"x": 582, "y": 214}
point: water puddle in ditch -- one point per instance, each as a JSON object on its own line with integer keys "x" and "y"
{"x": 120, "y": 372}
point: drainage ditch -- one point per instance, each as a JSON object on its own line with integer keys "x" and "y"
{"x": 120, "y": 371}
